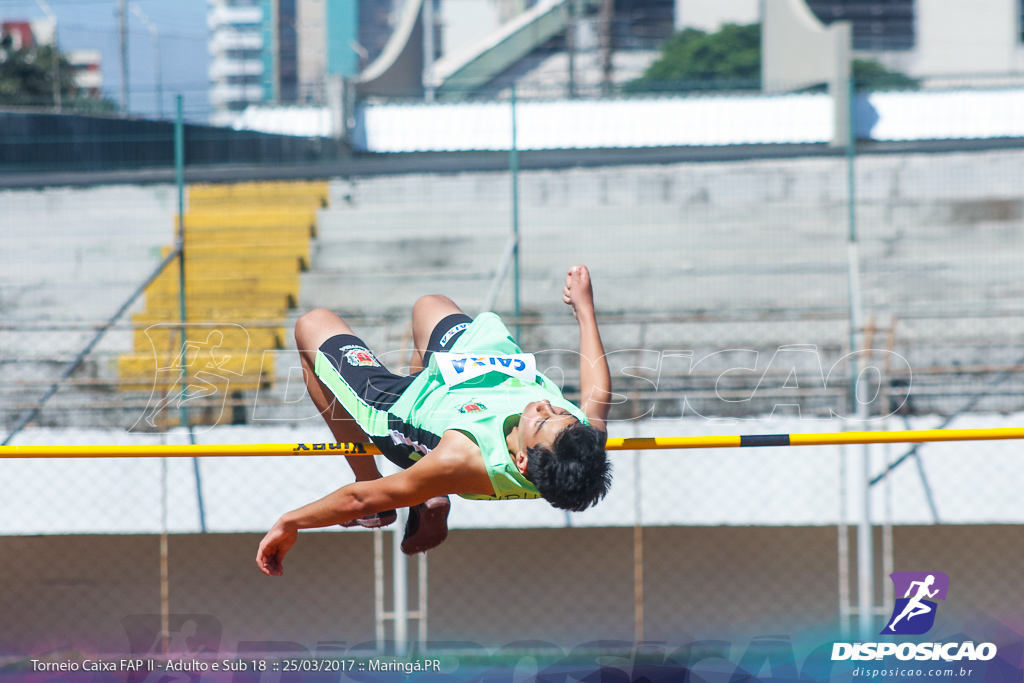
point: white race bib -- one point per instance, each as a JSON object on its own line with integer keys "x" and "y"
{"x": 457, "y": 368}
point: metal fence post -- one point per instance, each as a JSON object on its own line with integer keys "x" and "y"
{"x": 179, "y": 179}
{"x": 865, "y": 548}
{"x": 513, "y": 160}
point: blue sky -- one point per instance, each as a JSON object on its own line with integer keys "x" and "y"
{"x": 93, "y": 24}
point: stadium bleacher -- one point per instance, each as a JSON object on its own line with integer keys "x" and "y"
{"x": 245, "y": 246}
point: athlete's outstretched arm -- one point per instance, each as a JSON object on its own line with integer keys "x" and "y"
{"x": 595, "y": 379}
{"x": 449, "y": 468}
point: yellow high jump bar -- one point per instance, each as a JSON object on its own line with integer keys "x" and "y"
{"x": 640, "y": 444}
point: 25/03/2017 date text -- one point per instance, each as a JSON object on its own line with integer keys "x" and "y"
{"x": 287, "y": 665}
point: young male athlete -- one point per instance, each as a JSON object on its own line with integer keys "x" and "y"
{"x": 474, "y": 418}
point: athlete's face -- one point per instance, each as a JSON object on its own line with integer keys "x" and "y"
{"x": 540, "y": 423}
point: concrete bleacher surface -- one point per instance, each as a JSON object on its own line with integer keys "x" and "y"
{"x": 753, "y": 252}
{"x": 705, "y": 256}
{"x": 72, "y": 256}
{"x": 80, "y": 251}
{"x": 700, "y": 256}
{"x": 767, "y": 234}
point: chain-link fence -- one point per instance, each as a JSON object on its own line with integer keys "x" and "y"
{"x": 722, "y": 270}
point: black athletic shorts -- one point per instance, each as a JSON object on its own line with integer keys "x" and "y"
{"x": 367, "y": 389}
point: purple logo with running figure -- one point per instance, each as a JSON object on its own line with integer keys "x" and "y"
{"x": 914, "y": 613}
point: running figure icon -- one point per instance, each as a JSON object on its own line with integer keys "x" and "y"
{"x": 915, "y": 606}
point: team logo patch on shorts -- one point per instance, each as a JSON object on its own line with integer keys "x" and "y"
{"x": 451, "y": 333}
{"x": 472, "y": 407}
{"x": 359, "y": 356}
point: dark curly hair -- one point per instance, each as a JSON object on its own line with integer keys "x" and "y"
{"x": 574, "y": 473}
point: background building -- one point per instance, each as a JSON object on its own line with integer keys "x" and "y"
{"x": 88, "y": 68}
{"x": 86, "y": 64}
{"x": 279, "y": 53}
{"x": 922, "y": 38}
{"x": 877, "y": 26}
{"x": 22, "y": 36}
{"x": 305, "y": 42}
{"x": 237, "y": 68}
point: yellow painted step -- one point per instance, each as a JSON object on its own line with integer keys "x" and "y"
{"x": 258, "y": 337}
{"x": 221, "y": 363}
{"x": 227, "y": 369}
{"x": 292, "y": 233}
{"x": 238, "y": 266}
{"x": 221, "y": 189}
{"x": 227, "y": 285}
{"x": 263, "y": 236}
{"x": 161, "y": 334}
{"x": 244, "y": 254}
{"x": 223, "y": 313}
{"x": 199, "y": 299}
{"x": 243, "y": 249}
{"x": 239, "y": 316}
{"x": 260, "y": 191}
{"x": 292, "y": 201}
{"x": 251, "y": 218}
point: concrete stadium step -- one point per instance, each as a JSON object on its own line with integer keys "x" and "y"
{"x": 408, "y": 221}
{"x": 421, "y": 255}
{"x": 907, "y": 180}
{"x": 87, "y": 244}
{"x": 372, "y": 292}
{"x": 64, "y": 301}
{"x": 433, "y": 188}
{"x": 46, "y": 271}
{"x": 541, "y": 291}
{"x": 556, "y": 255}
{"x": 103, "y": 214}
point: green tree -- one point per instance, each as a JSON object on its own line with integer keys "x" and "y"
{"x": 693, "y": 59}
{"x": 27, "y": 75}
{"x": 870, "y": 75}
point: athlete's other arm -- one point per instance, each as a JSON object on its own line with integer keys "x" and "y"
{"x": 910, "y": 588}
{"x": 454, "y": 466}
{"x": 595, "y": 379}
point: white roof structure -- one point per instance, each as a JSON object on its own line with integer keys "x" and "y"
{"x": 583, "y": 124}
{"x": 667, "y": 121}
{"x": 285, "y": 120}
{"x": 689, "y": 121}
